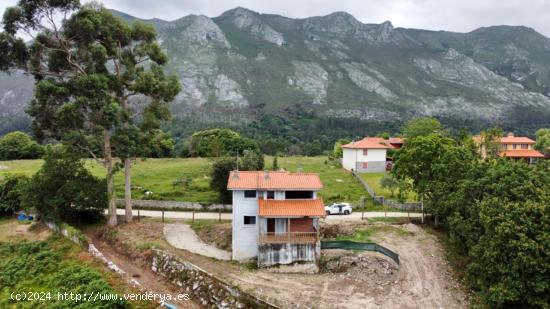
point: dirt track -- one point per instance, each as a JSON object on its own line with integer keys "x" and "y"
{"x": 423, "y": 280}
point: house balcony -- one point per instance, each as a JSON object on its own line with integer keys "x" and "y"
{"x": 285, "y": 238}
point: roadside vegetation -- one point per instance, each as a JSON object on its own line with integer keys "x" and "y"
{"x": 495, "y": 211}
{"x": 32, "y": 260}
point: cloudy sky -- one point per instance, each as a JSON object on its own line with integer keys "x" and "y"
{"x": 454, "y": 15}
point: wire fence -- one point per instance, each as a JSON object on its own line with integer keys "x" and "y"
{"x": 407, "y": 206}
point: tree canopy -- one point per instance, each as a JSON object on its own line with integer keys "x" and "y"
{"x": 422, "y": 127}
{"x": 496, "y": 213}
{"x": 87, "y": 68}
{"x": 543, "y": 140}
{"x": 18, "y": 145}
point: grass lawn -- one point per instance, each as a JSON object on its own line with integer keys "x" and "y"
{"x": 366, "y": 234}
{"x": 187, "y": 179}
{"x": 373, "y": 180}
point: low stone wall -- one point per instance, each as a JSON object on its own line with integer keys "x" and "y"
{"x": 174, "y": 205}
{"x": 70, "y": 232}
{"x": 288, "y": 253}
{"x": 210, "y": 291}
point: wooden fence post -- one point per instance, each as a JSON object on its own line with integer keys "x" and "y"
{"x": 138, "y": 214}
{"x": 163, "y": 216}
{"x": 193, "y": 219}
{"x": 219, "y": 215}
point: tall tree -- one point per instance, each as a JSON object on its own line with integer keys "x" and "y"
{"x": 490, "y": 142}
{"x": 422, "y": 127}
{"x": 543, "y": 141}
{"x": 87, "y": 68}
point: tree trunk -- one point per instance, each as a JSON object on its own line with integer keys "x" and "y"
{"x": 127, "y": 176}
{"x": 128, "y": 189}
{"x": 111, "y": 210}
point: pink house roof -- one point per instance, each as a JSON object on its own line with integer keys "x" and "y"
{"x": 368, "y": 143}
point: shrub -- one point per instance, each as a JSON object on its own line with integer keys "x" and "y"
{"x": 18, "y": 145}
{"x": 64, "y": 190}
{"x": 11, "y": 194}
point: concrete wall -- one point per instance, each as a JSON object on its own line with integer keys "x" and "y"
{"x": 283, "y": 254}
{"x": 348, "y": 158}
{"x": 245, "y": 237}
{"x": 353, "y": 159}
{"x": 372, "y": 167}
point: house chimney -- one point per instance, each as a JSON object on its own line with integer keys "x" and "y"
{"x": 266, "y": 174}
{"x": 235, "y": 174}
{"x": 511, "y": 134}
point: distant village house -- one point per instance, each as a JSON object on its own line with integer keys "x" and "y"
{"x": 369, "y": 155}
{"x": 514, "y": 147}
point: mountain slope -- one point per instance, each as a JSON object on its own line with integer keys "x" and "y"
{"x": 243, "y": 64}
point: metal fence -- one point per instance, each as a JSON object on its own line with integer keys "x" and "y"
{"x": 387, "y": 202}
{"x": 366, "y": 246}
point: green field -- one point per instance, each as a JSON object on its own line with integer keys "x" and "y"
{"x": 187, "y": 179}
{"x": 373, "y": 180}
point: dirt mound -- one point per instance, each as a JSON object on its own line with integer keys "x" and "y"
{"x": 412, "y": 228}
{"x": 333, "y": 230}
{"x": 340, "y": 261}
{"x": 218, "y": 235}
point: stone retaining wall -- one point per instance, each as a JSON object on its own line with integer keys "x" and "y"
{"x": 174, "y": 205}
{"x": 207, "y": 289}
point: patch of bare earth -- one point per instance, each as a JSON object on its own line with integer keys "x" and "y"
{"x": 218, "y": 235}
{"x": 349, "y": 279}
{"x": 14, "y": 231}
{"x": 127, "y": 246}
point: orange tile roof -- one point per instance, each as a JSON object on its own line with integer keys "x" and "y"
{"x": 521, "y": 153}
{"x": 516, "y": 140}
{"x": 510, "y": 139}
{"x": 291, "y": 208}
{"x": 396, "y": 140}
{"x": 368, "y": 143}
{"x": 272, "y": 180}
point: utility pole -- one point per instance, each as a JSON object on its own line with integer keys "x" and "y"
{"x": 422, "y": 207}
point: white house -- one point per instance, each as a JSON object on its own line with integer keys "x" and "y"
{"x": 276, "y": 216}
{"x": 367, "y": 155}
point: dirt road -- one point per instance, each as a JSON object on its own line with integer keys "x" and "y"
{"x": 228, "y": 216}
{"x": 148, "y": 281}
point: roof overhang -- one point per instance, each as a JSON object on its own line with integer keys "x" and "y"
{"x": 291, "y": 208}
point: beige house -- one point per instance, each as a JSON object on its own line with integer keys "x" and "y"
{"x": 514, "y": 147}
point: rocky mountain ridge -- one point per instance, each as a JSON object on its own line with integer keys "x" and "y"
{"x": 243, "y": 64}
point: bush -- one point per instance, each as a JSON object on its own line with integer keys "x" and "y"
{"x": 220, "y": 175}
{"x": 219, "y": 142}
{"x": 18, "y": 145}
{"x": 64, "y": 190}
{"x": 11, "y": 194}
{"x": 44, "y": 266}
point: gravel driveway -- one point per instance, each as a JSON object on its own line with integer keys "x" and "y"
{"x": 182, "y": 236}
